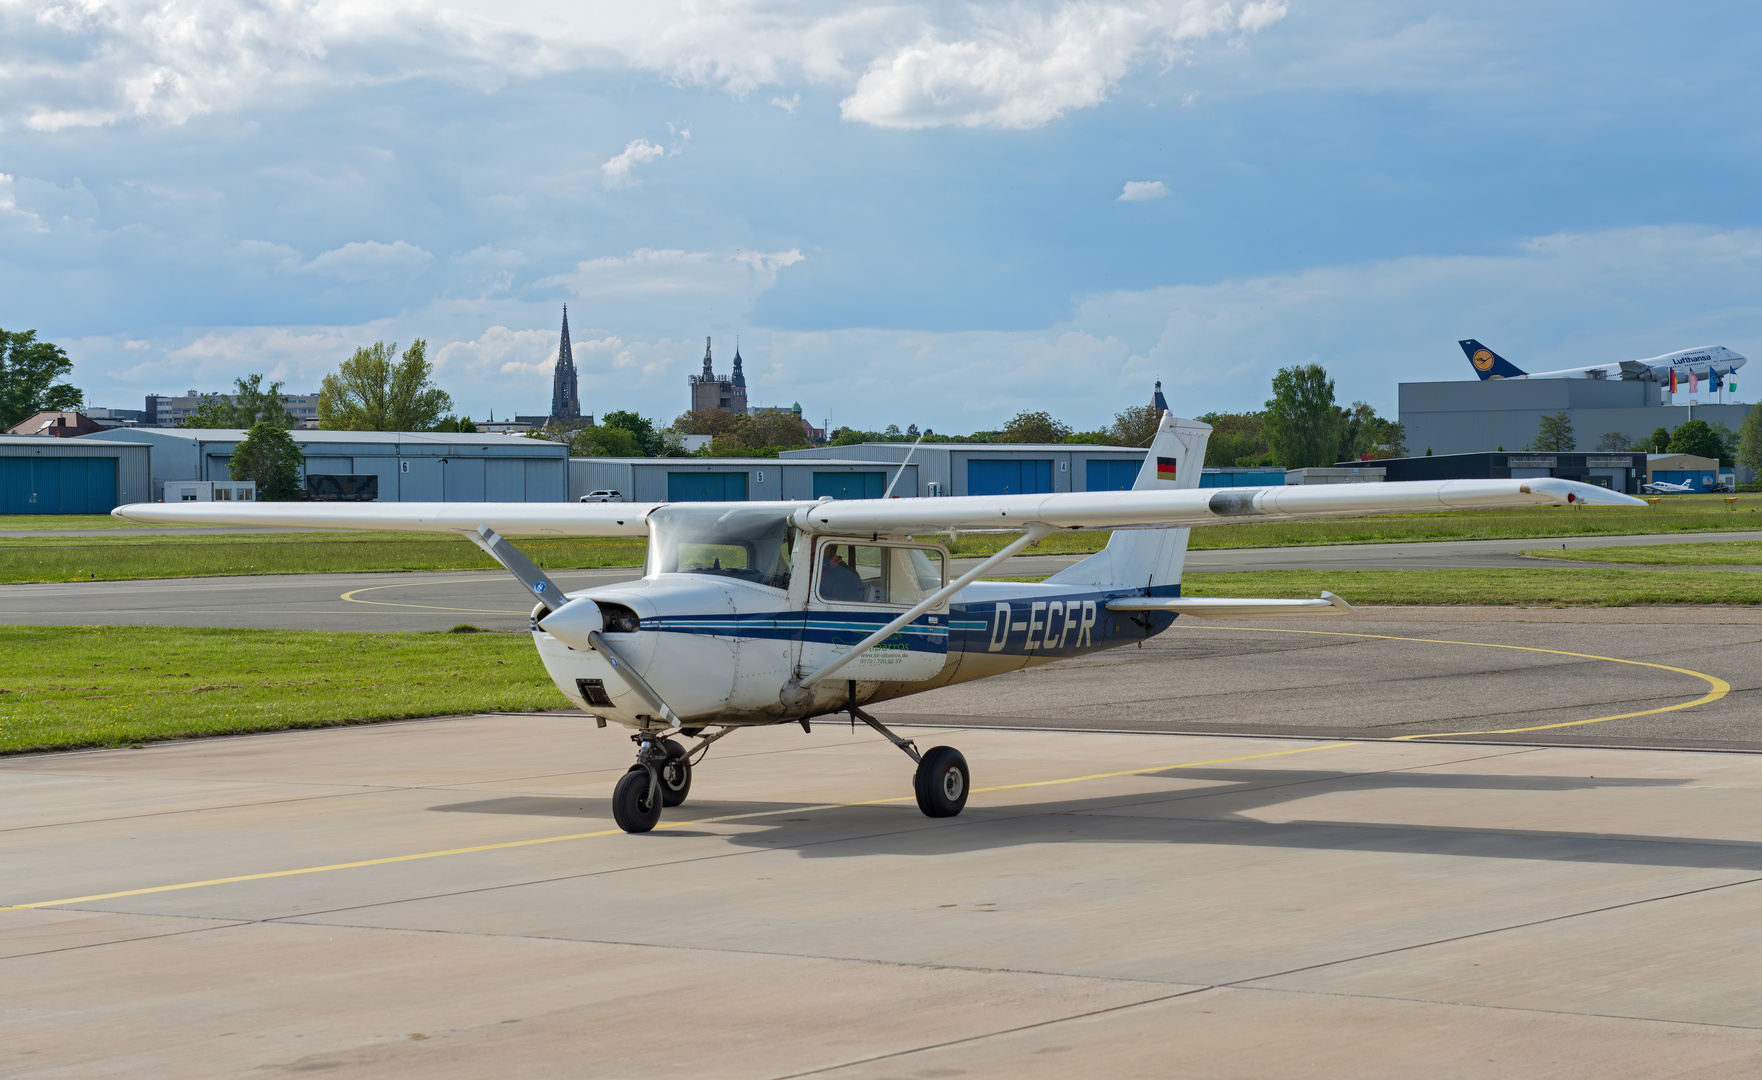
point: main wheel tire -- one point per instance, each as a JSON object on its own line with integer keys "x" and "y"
{"x": 675, "y": 775}
{"x": 632, "y": 808}
{"x": 942, "y": 782}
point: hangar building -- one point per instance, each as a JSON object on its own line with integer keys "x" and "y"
{"x": 41, "y": 475}
{"x": 695, "y": 479}
{"x": 997, "y": 468}
{"x": 1619, "y": 472}
{"x": 404, "y": 466}
{"x": 1464, "y": 417}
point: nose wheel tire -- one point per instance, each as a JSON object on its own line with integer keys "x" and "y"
{"x": 632, "y": 808}
{"x": 675, "y": 775}
{"x": 942, "y": 782}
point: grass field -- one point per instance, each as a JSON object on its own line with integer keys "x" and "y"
{"x": 1675, "y": 513}
{"x": 71, "y": 687}
{"x": 71, "y": 521}
{"x": 1541, "y": 587}
{"x": 1724, "y": 553}
{"x": 127, "y": 557}
{"x": 89, "y": 558}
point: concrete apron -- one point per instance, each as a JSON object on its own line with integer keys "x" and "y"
{"x": 1109, "y": 904}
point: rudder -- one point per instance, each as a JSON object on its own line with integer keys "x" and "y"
{"x": 1489, "y": 364}
{"x": 1150, "y": 558}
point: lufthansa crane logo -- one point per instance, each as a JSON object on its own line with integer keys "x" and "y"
{"x": 1483, "y": 360}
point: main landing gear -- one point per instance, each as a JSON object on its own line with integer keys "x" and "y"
{"x": 942, "y": 780}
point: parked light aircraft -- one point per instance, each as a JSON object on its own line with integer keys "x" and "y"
{"x": 1705, "y": 363}
{"x": 755, "y": 613}
{"x": 1665, "y": 487}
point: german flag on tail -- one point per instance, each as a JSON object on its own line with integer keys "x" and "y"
{"x": 1165, "y": 468}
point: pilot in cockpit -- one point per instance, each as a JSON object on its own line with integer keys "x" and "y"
{"x": 838, "y": 581}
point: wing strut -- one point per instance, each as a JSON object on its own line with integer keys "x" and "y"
{"x": 795, "y": 694}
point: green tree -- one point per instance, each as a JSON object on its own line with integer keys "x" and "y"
{"x": 1033, "y": 427}
{"x": 28, "y": 370}
{"x": 460, "y": 424}
{"x": 604, "y": 441}
{"x": 1697, "y": 438}
{"x": 1236, "y": 438}
{"x": 1554, "y": 435}
{"x": 372, "y": 391}
{"x": 269, "y": 455}
{"x": 1302, "y": 425}
{"x": 251, "y": 403}
{"x": 850, "y": 437}
{"x": 1749, "y": 449}
{"x": 648, "y": 438}
{"x": 1614, "y": 441}
{"x": 1660, "y": 439}
{"x": 1134, "y": 426}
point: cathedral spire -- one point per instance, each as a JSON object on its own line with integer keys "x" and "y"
{"x": 565, "y": 392}
{"x": 739, "y": 376}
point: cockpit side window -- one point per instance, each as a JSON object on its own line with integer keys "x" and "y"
{"x": 878, "y": 574}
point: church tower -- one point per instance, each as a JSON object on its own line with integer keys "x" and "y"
{"x": 565, "y": 390}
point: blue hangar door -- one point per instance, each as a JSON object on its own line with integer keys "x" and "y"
{"x": 37, "y": 485}
{"x": 1100, "y": 475}
{"x": 852, "y": 485}
{"x": 1009, "y": 476}
{"x": 706, "y": 487}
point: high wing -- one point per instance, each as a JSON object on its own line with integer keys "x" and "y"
{"x": 508, "y": 519}
{"x": 1192, "y": 507}
{"x": 856, "y": 517}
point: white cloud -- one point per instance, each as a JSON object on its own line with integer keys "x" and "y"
{"x": 370, "y": 260}
{"x": 651, "y": 271}
{"x": 787, "y": 104}
{"x": 1141, "y": 190}
{"x": 1550, "y": 302}
{"x": 84, "y": 63}
{"x": 1017, "y": 67}
{"x": 11, "y": 213}
{"x": 617, "y": 169}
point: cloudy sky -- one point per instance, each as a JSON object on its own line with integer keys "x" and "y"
{"x": 910, "y": 213}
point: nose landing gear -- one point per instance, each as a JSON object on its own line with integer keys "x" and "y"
{"x": 661, "y": 777}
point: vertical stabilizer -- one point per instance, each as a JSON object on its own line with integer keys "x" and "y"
{"x": 1150, "y": 558}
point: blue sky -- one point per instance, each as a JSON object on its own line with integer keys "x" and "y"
{"x": 909, "y": 213}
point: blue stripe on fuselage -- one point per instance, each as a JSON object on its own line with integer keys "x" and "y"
{"x": 1054, "y": 623}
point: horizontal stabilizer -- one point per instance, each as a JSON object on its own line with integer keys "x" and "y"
{"x": 1224, "y": 608}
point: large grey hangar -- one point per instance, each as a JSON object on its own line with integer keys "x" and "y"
{"x": 404, "y": 466}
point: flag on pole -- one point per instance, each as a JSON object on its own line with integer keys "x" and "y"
{"x": 1673, "y": 380}
{"x": 1694, "y": 381}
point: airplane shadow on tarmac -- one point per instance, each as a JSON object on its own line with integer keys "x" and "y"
{"x": 1148, "y": 818}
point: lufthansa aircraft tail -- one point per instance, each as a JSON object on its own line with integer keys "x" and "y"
{"x": 1150, "y": 559}
{"x": 1489, "y": 364}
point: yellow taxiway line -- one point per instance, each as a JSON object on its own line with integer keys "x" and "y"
{"x": 1719, "y": 688}
{"x": 388, "y": 860}
{"x": 352, "y": 597}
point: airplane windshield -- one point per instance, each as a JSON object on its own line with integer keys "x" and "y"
{"x": 753, "y": 545}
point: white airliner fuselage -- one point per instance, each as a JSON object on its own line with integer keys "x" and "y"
{"x": 1703, "y": 362}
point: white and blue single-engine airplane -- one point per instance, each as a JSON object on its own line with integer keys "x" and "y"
{"x": 756, "y": 613}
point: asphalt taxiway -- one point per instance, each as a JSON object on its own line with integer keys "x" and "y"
{"x": 1367, "y": 877}
{"x": 493, "y": 600}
